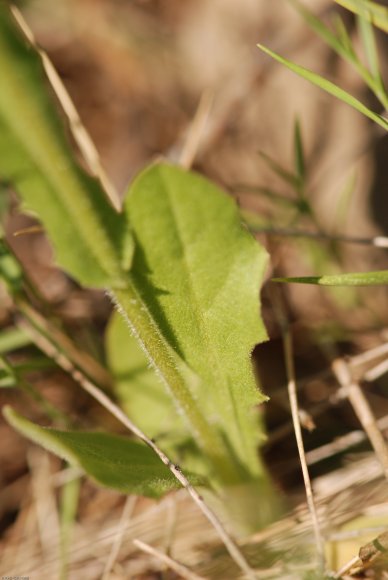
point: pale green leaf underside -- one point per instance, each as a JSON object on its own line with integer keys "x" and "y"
{"x": 89, "y": 237}
{"x": 377, "y": 14}
{"x": 140, "y": 392}
{"x": 111, "y": 460}
{"x": 352, "y": 279}
{"x": 199, "y": 273}
{"x": 329, "y": 87}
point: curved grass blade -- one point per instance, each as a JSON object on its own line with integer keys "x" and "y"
{"x": 379, "y": 278}
{"x": 111, "y": 460}
{"x": 377, "y": 14}
{"x": 90, "y": 238}
{"x": 329, "y": 87}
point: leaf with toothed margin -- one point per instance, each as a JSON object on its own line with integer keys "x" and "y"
{"x": 198, "y": 272}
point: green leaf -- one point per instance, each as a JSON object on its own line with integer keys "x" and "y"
{"x": 111, "y": 460}
{"x": 90, "y": 238}
{"x": 198, "y": 271}
{"x": 352, "y": 279}
{"x": 136, "y": 385}
{"x": 377, "y": 13}
{"x": 329, "y": 87}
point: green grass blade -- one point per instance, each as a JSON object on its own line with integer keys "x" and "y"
{"x": 329, "y": 87}
{"x": 70, "y": 494}
{"x": 90, "y": 238}
{"x": 8, "y": 378}
{"x": 377, "y": 13}
{"x": 299, "y": 160}
{"x": 340, "y": 42}
{"x": 111, "y": 460}
{"x": 379, "y": 278}
{"x": 285, "y": 175}
{"x": 369, "y": 43}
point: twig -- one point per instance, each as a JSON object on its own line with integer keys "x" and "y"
{"x": 118, "y": 538}
{"x": 196, "y": 129}
{"x": 80, "y": 359}
{"x": 341, "y": 443}
{"x": 363, "y": 411}
{"x": 376, "y": 372}
{"x": 287, "y": 342}
{"x": 347, "y": 567}
{"x": 51, "y": 350}
{"x": 292, "y": 393}
{"x": 173, "y": 564}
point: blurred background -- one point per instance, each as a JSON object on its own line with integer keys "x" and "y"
{"x": 185, "y": 80}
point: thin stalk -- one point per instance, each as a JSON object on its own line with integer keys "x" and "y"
{"x": 164, "y": 361}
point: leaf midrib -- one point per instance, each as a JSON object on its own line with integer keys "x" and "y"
{"x": 210, "y": 347}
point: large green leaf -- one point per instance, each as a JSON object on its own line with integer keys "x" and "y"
{"x": 377, "y": 14}
{"x": 352, "y": 279}
{"x": 329, "y": 87}
{"x": 111, "y": 460}
{"x": 199, "y": 271}
{"x": 91, "y": 239}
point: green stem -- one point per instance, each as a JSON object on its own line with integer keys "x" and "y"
{"x": 166, "y": 364}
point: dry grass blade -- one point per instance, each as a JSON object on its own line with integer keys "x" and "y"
{"x": 363, "y": 412}
{"x": 299, "y": 439}
{"x": 82, "y": 360}
{"x": 292, "y": 393}
{"x": 118, "y": 538}
{"x": 342, "y": 443}
{"x": 170, "y": 562}
{"x": 195, "y": 132}
{"x": 51, "y": 350}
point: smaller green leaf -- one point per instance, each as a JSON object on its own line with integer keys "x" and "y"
{"x": 377, "y": 13}
{"x": 352, "y": 279}
{"x": 92, "y": 242}
{"x": 329, "y": 87}
{"x": 111, "y": 460}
